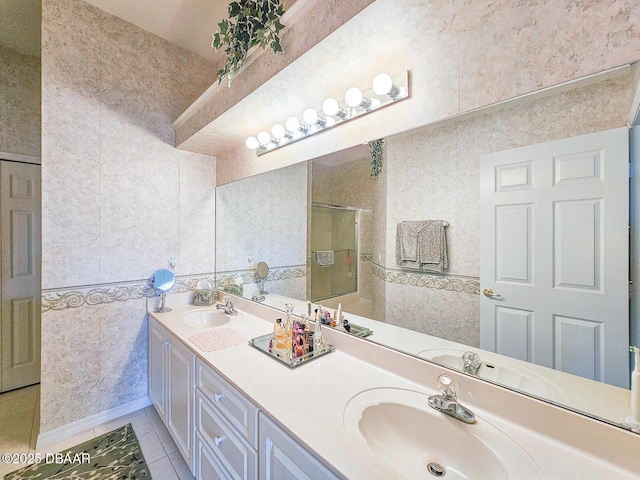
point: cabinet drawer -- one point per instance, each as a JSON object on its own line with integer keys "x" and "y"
{"x": 237, "y": 456}
{"x": 207, "y": 467}
{"x": 239, "y": 411}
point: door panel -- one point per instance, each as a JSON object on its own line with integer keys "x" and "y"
{"x": 20, "y": 311}
{"x": 554, "y": 247}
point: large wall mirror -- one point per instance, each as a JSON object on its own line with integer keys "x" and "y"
{"x": 328, "y": 231}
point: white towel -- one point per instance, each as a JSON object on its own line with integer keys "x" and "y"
{"x": 432, "y": 246}
{"x": 324, "y": 258}
{"x": 422, "y": 245}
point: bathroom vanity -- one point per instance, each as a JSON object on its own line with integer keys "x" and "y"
{"x": 358, "y": 413}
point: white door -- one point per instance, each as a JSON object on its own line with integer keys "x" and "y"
{"x": 554, "y": 251}
{"x": 20, "y": 285}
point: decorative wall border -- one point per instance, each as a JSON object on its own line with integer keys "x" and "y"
{"x": 366, "y": 257}
{"x": 275, "y": 274}
{"x": 64, "y": 298}
{"x": 452, "y": 283}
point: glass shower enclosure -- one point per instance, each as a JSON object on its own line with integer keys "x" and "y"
{"x": 334, "y": 251}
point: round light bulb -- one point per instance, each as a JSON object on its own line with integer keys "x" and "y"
{"x": 278, "y": 131}
{"x": 292, "y": 124}
{"x": 310, "y": 116}
{"x": 330, "y": 107}
{"x": 264, "y": 138}
{"x": 353, "y": 97}
{"x": 252, "y": 143}
{"x": 382, "y": 84}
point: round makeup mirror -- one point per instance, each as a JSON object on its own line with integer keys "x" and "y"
{"x": 162, "y": 280}
{"x": 262, "y": 272}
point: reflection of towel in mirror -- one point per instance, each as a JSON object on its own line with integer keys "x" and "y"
{"x": 432, "y": 246}
{"x": 407, "y": 236}
{"x": 324, "y": 258}
{"x": 422, "y": 245}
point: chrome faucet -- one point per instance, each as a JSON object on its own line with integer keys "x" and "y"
{"x": 227, "y": 306}
{"x": 448, "y": 402}
{"x": 472, "y": 362}
{"x": 256, "y": 297}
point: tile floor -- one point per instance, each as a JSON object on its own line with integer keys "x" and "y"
{"x": 19, "y": 422}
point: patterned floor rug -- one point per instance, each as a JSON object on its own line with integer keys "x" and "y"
{"x": 113, "y": 456}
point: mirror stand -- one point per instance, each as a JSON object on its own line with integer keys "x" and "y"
{"x": 261, "y": 287}
{"x": 162, "y": 308}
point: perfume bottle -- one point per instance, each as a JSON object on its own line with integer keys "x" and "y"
{"x": 279, "y": 348}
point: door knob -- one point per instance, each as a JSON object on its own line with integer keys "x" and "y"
{"x": 489, "y": 293}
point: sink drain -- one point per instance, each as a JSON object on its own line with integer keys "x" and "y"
{"x": 436, "y": 469}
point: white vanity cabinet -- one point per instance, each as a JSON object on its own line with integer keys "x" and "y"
{"x": 226, "y": 429}
{"x": 282, "y": 458}
{"x": 172, "y": 387}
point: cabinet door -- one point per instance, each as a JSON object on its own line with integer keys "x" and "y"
{"x": 180, "y": 421}
{"x": 207, "y": 467}
{"x": 157, "y": 368}
{"x": 282, "y": 458}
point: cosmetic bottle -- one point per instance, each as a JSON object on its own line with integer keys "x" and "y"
{"x": 279, "y": 344}
{"x": 318, "y": 341}
{"x": 288, "y": 333}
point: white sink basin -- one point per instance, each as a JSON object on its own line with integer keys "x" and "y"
{"x": 413, "y": 440}
{"x": 207, "y": 318}
{"x": 500, "y": 370}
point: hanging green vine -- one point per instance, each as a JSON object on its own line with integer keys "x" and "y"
{"x": 251, "y": 23}
{"x": 376, "y": 157}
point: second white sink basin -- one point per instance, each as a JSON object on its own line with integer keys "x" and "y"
{"x": 206, "y": 318}
{"x": 415, "y": 441}
{"x": 500, "y": 370}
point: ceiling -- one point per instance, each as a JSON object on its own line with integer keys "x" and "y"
{"x": 187, "y": 23}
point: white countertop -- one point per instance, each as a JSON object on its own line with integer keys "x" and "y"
{"x": 583, "y": 395}
{"x": 309, "y": 402}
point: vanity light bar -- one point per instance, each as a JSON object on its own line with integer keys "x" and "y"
{"x": 385, "y": 90}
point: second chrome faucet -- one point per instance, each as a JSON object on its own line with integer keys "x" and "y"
{"x": 447, "y": 402}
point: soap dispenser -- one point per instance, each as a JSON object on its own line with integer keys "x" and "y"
{"x": 634, "y": 419}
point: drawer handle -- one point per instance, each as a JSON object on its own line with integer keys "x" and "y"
{"x": 218, "y": 440}
{"x": 217, "y": 397}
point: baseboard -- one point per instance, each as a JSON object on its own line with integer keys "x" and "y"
{"x": 70, "y": 429}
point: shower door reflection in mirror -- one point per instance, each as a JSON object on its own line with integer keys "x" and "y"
{"x": 334, "y": 246}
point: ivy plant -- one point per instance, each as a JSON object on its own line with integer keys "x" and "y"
{"x": 375, "y": 147}
{"x": 251, "y": 23}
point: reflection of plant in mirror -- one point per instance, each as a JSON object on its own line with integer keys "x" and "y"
{"x": 376, "y": 157}
{"x": 251, "y": 23}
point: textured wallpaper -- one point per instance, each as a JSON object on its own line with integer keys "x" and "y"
{"x": 118, "y": 201}
{"x": 434, "y": 173}
{"x": 19, "y": 103}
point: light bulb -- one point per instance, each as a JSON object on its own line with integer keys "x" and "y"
{"x": 292, "y": 124}
{"x": 278, "y": 131}
{"x": 264, "y": 138}
{"x": 355, "y": 98}
{"x": 252, "y": 143}
{"x": 311, "y": 117}
{"x": 330, "y": 107}
{"x": 383, "y": 85}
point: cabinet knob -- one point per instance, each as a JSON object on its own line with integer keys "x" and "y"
{"x": 218, "y": 440}
{"x": 217, "y": 397}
